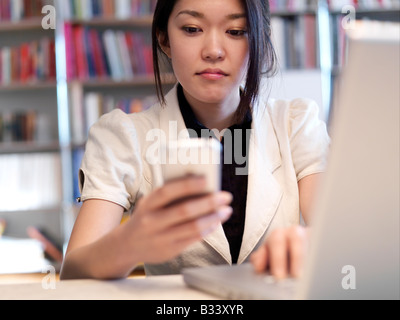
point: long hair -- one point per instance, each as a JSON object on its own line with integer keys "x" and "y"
{"x": 262, "y": 56}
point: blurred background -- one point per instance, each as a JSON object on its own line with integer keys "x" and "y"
{"x": 64, "y": 63}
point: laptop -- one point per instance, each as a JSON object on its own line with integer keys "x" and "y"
{"x": 354, "y": 251}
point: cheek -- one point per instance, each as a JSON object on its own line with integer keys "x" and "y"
{"x": 181, "y": 56}
{"x": 245, "y": 54}
{"x": 183, "y": 63}
{"x": 243, "y": 62}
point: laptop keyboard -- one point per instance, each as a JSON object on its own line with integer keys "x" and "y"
{"x": 287, "y": 285}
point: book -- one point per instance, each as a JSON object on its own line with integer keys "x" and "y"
{"x": 18, "y": 126}
{"x": 117, "y": 9}
{"x": 338, "y": 5}
{"x": 115, "y": 54}
{"x": 281, "y": 6}
{"x": 295, "y": 41}
{"x": 28, "y": 63}
{"x": 88, "y": 107}
{"x": 34, "y": 178}
{"x": 21, "y": 256}
{"x": 17, "y": 10}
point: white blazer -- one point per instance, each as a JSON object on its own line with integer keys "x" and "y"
{"x": 287, "y": 143}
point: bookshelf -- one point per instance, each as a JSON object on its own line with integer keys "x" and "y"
{"x": 30, "y": 165}
{"x": 306, "y": 33}
{"x": 300, "y": 36}
{"x": 310, "y": 41}
{"x": 371, "y": 10}
{"x": 341, "y": 12}
{"x": 111, "y": 69}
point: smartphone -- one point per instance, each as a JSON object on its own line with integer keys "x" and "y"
{"x": 194, "y": 156}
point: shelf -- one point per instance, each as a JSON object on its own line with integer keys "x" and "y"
{"x": 32, "y": 212}
{"x": 286, "y": 13}
{"x": 140, "y": 80}
{"x": 28, "y": 147}
{"x": 22, "y": 25}
{"x": 369, "y": 11}
{"x": 36, "y": 85}
{"x": 143, "y": 21}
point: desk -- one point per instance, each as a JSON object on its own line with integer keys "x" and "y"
{"x": 151, "y": 288}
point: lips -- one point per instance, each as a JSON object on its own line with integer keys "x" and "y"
{"x": 212, "y": 74}
{"x": 213, "y": 71}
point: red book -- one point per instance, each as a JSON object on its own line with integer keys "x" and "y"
{"x": 311, "y": 46}
{"x": 52, "y": 60}
{"x": 15, "y": 64}
{"x": 27, "y": 8}
{"x": 6, "y": 9}
{"x": 1, "y": 81}
{"x": 70, "y": 52}
{"x": 1, "y": 18}
{"x": 108, "y": 8}
{"x": 148, "y": 56}
{"x": 24, "y": 63}
{"x": 97, "y": 53}
{"x": 131, "y": 49}
{"x": 34, "y": 60}
{"x": 82, "y": 64}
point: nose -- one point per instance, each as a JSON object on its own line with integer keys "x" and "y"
{"x": 213, "y": 49}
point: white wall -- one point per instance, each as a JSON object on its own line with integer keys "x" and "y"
{"x": 298, "y": 84}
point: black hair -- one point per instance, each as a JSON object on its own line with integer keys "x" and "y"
{"x": 262, "y": 56}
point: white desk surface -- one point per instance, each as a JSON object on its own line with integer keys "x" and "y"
{"x": 152, "y": 288}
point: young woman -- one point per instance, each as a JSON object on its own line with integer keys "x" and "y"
{"x": 219, "y": 50}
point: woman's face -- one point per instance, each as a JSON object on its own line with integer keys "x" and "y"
{"x": 208, "y": 46}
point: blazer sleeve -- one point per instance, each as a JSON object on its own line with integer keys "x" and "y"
{"x": 308, "y": 138}
{"x": 111, "y": 166}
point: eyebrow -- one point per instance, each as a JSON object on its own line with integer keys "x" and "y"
{"x": 196, "y": 14}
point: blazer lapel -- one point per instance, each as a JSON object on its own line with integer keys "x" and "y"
{"x": 264, "y": 192}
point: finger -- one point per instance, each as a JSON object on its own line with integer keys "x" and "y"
{"x": 175, "y": 190}
{"x": 195, "y": 230}
{"x": 297, "y": 251}
{"x": 278, "y": 252}
{"x": 259, "y": 259}
{"x": 201, "y": 227}
{"x": 192, "y": 209}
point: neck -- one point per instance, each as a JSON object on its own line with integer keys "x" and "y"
{"x": 215, "y": 115}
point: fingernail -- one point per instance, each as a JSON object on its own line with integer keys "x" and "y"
{"x": 209, "y": 230}
{"x": 280, "y": 274}
{"x": 224, "y": 198}
{"x": 225, "y": 213}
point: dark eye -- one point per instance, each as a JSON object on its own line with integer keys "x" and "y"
{"x": 191, "y": 30}
{"x": 237, "y": 33}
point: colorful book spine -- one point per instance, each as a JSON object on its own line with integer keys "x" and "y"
{"x": 17, "y": 10}
{"x": 117, "y": 9}
{"x": 279, "y": 6}
{"x": 295, "y": 41}
{"x": 118, "y": 55}
{"x": 28, "y": 62}
{"x": 338, "y": 5}
{"x": 90, "y": 106}
{"x": 18, "y": 126}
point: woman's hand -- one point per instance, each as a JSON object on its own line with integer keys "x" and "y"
{"x": 283, "y": 253}
{"x": 173, "y": 217}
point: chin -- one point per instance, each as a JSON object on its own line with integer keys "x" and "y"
{"x": 212, "y": 94}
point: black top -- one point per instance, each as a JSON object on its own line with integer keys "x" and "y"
{"x": 235, "y": 143}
